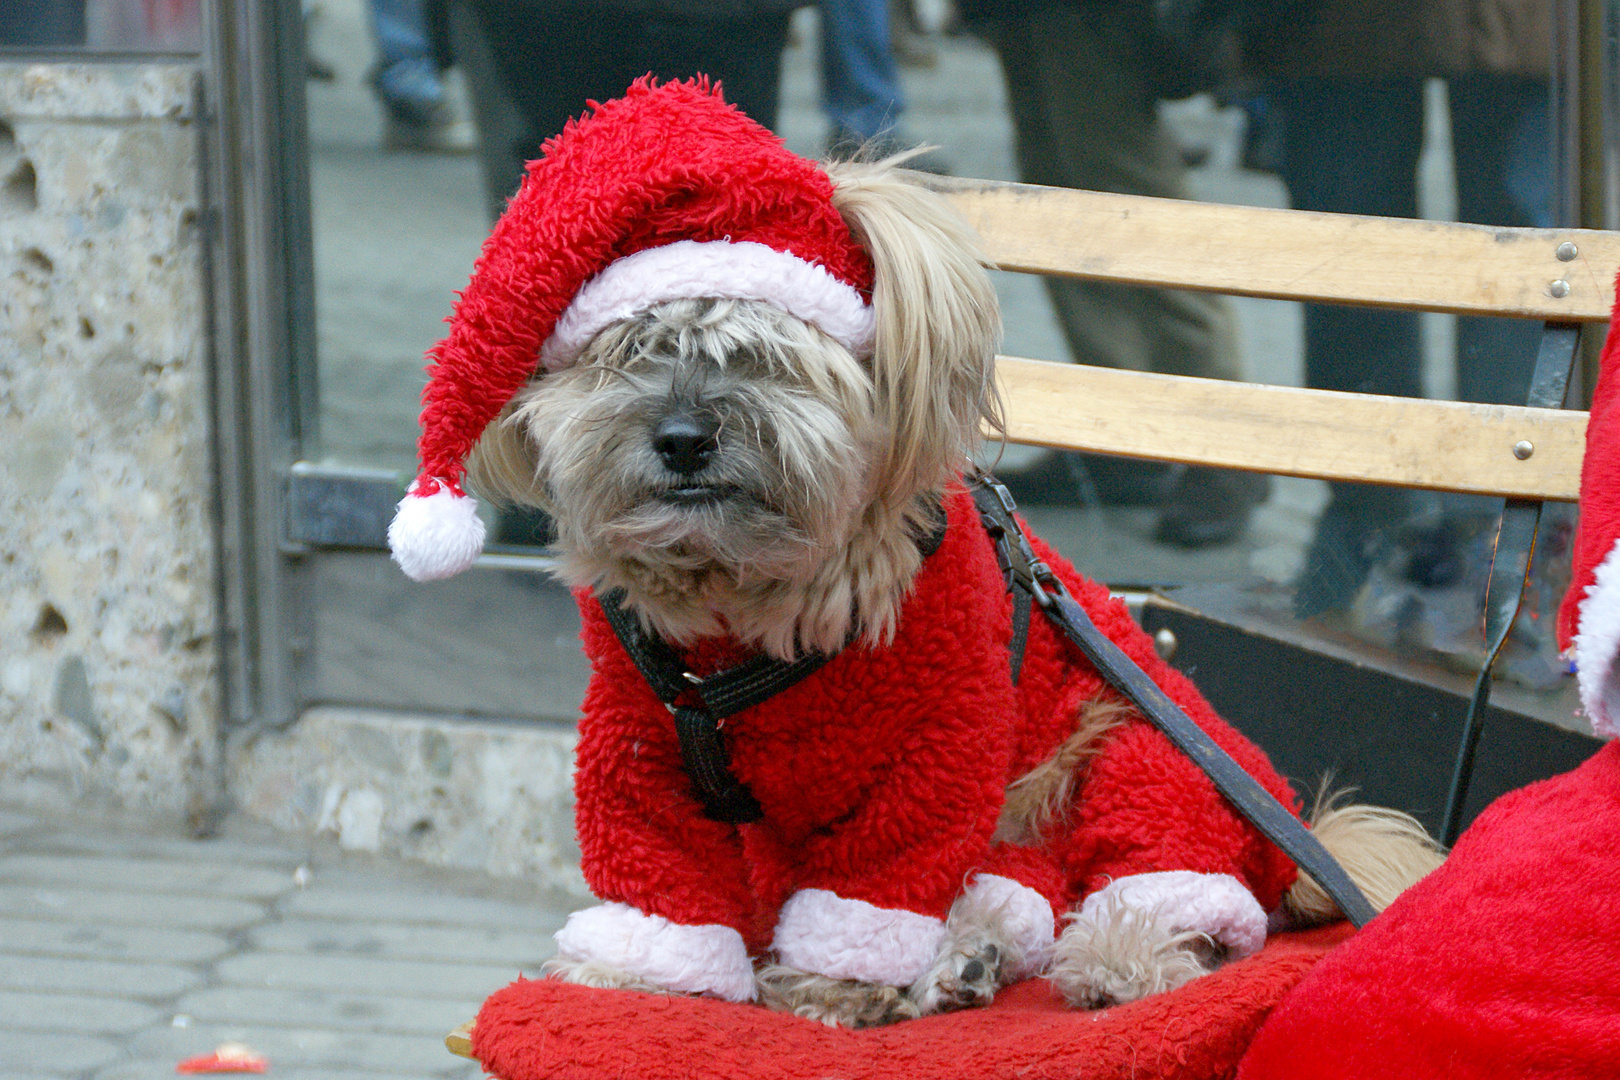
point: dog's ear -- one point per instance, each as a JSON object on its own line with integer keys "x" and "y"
{"x": 502, "y": 466}
{"x": 938, "y": 323}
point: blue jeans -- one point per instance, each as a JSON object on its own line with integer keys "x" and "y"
{"x": 860, "y": 83}
{"x": 407, "y": 73}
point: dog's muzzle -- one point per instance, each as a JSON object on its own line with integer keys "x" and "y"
{"x": 686, "y": 442}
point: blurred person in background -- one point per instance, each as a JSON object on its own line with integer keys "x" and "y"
{"x": 1342, "y": 86}
{"x": 860, "y": 84}
{"x": 408, "y": 79}
{"x": 533, "y": 64}
{"x": 1084, "y": 78}
{"x": 42, "y": 23}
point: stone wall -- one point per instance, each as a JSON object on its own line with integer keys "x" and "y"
{"x": 479, "y": 795}
{"x": 108, "y": 662}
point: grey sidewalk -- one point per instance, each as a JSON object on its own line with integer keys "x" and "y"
{"x": 124, "y": 951}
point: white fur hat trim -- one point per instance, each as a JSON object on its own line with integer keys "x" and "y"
{"x": 435, "y": 536}
{"x": 821, "y": 932}
{"x": 1213, "y": 904}
{"x": 1023, "y": 914}
{"x": 689, "y": 269}
{"x": 706, "y": 959}
{"x": 1597, "y": 647}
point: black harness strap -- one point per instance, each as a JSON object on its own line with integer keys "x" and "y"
{"x": 701, "y": 705}
{"x": 1243, "y": 791}
{"x": 995, "y": 524}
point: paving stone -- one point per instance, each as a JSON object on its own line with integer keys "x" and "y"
{"x": 13, "y": 822}
{"x": 92, "y": 907}
{"x": 59, "y": 974}
{"x": 416, "y": 908}
{"x": 330, "y": 1010}
{"x": 417, "y": 978}
{"x": 77, "y": 1013}
{"x": 41, "y": 937}
{"x": 148, "y": 875}
{"x": 472, "y": 945}
{"x": 239, "y": 852}
{"x": 23, "y": 1055}
{"x": 309, "y": 1047}
{"x": 164, "y": 1070}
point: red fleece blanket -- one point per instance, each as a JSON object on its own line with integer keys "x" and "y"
{"x": 556, "y": 1031}
{"x": 1505, "y": 962}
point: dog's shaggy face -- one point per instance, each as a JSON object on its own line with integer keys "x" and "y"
{"x": 701, "y": 453}
{"x": 735, "y": 470}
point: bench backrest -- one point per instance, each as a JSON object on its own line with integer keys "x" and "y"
{"x": 1553, "y": 275}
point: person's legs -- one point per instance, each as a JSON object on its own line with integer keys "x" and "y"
{"x": 743, "y": 55}
{"x": 860, "y": 82}
{"x": 1503, "y": 178}
{"x": 1085, "y": 116}
{"x": 1351, "y": 146}
{"x": 406, "y": 77}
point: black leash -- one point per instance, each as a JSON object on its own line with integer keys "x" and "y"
{"x": 1243, "y": 791}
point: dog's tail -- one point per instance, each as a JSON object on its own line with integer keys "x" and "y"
{"x": 1385, "y": 852}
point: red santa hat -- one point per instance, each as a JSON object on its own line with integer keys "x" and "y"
{"x": 663, "y": 194}
{"x": 1589, "y": 619}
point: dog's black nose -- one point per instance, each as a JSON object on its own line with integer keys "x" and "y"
{"x": 686, "y": 442}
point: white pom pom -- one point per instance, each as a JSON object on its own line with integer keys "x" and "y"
{"x": 435, "y": 536}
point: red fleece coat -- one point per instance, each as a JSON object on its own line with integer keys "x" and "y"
{"x": 881, "y": 776}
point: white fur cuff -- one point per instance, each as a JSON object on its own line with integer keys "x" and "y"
{"x": 1597, "y": 647}
{"x": 689, "y": 269}
{"x": 435, "y": 536}
{"x": 1213, "y": 904}
{"x": 1023, "y": 914}
{"x": 821, "y": 932}
{"x": 707, "y": 959}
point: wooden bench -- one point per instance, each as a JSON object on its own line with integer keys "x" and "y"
{"x": 1304, "y": 256}
{"x": 1561, "y": 277}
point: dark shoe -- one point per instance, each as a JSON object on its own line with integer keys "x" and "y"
{"x": 1117, "y": 481}
{"x": 1047, "y": 481}
{"x": 1210, "y": 506}
{"x": 1064, "y": 478}
{"x": 1337, "y": 563}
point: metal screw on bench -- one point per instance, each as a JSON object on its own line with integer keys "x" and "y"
{"x": 1164, "y": 643}
{"x": 1567, "y": 251}
{"x": 1560, "y": 288}
{"x": 1523, "y": 449}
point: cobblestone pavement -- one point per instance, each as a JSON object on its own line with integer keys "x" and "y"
{"x": 124, "y": 951}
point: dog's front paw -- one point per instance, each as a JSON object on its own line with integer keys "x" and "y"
{"x": 597, "y": 974}
{"x": 1149, "y": 933}
{"x": 1132, "y": 956}
{"x": 846, "y": 1003}
{"x": 967, "y": 973}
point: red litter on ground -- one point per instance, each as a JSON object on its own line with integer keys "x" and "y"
{"x": 226, "y": 1058}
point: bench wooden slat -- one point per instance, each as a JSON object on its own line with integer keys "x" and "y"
{"x": 1443, "y": 445}
{"x": 1290, "y": 254}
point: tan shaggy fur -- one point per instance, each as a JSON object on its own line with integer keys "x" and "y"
{"x": 1385, "y": 852}
{"x": 1040, "y": 798}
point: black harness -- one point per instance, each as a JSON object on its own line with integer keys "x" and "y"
{"x": 701, "y": 705}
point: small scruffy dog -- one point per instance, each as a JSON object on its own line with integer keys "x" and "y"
{"x": 745, "y": 388}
